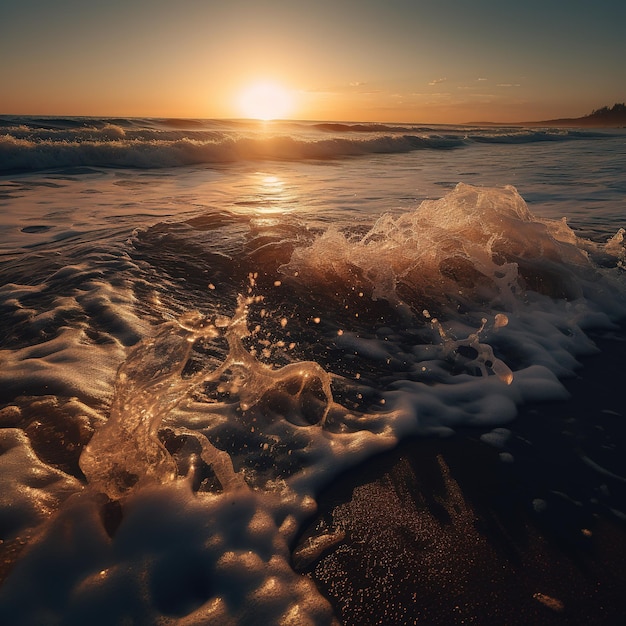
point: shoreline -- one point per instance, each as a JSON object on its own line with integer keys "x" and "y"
{"x": 456, "y": 530}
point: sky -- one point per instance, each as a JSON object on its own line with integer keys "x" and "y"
{"x": 431, "y": 61}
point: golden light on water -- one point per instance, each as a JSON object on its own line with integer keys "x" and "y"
{"x": 273, "y": 195}
{"x": 266, "y": 194}
{"x": 272, "y": 183}
{"x": 265, "y": 100}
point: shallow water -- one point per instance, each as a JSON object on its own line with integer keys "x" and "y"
{"x": 191, "y": 353}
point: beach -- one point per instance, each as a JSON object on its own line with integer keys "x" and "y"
{"x": 441, "y": 531}
{"x": 310, "y": 373}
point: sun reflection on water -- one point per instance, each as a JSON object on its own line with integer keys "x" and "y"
{"x": 272, "y": 183}
{"x": 267, "y": 194}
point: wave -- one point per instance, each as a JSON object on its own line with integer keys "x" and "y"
{"x": 473, "y": 254}
{"x": 532, "y": 136}
{"x": 30, "y": 144}
{"x": 117, "y": 148}
{"x": 343, "y": 127}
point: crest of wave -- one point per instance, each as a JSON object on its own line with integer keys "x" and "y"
{"x": 473, "y": 245}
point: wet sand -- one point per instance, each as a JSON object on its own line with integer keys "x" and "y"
{"x": 460, "y": 531}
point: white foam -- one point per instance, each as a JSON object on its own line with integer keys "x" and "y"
{"x": 63, "y": 358}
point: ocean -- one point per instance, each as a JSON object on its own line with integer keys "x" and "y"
{"x": 207, "y": 326}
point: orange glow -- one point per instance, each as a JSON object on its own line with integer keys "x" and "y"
{"x": 265, "y": 100}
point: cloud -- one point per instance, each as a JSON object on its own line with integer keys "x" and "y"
{"x": 480, "y": 79}
{"x": 366, "y": 92}
{"x": 437, "y": 81}
{"x": 507, "y": 85}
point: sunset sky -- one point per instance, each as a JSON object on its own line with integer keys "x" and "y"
{"x": 362, "y": 60}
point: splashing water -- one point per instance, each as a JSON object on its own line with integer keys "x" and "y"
{"x": 473, "y": 249}
{"x": 471, "y": 352}
{"x": 126, "y": 452}
{"x": 473, "y": 245}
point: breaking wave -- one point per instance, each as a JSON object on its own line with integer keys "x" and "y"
{"x": 41, "y": 143}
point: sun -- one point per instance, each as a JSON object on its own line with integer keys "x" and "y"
{"x": 265, "y": 100}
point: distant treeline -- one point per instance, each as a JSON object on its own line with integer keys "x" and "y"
{"x": 606, "y": 116}
{"x": 610, "y": 115}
